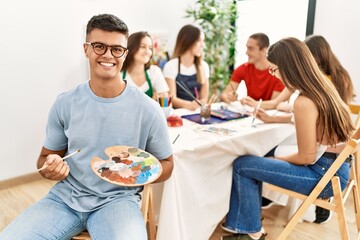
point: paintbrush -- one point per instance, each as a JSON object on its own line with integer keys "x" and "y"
{"x": 176, "y": 138}
{"x": 43, "y": 167}
{"x": 188, "y": 92}
{"x": 212, "y": 99}
{"x": 255, "y": 112}
{"x": 233, "y": 89}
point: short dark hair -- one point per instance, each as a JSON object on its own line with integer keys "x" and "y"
{"x": 262, "y": 39}
{"x": 107, "y": 22}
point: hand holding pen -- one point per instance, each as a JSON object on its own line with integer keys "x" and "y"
{"x": 255, "y": 112}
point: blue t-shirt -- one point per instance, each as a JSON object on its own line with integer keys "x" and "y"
{"x": 81, "y": 120}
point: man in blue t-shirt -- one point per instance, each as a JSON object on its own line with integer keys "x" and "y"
{"x": 102, "y": 112}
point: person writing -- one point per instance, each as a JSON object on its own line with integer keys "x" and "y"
{"x": 336, "y": 73}
{"x": 138, "y": 69}
{"x": 259, "y": 82}
{"x": 322, "y": 123}
{"x": 102, "y": 112}
{"x": 188, "y": 69}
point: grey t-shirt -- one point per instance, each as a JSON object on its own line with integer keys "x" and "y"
{"x": 81, "y": 120}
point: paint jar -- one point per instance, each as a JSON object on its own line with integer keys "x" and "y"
{"x": 205, "y": 112}
{"x": 164, "y": 101}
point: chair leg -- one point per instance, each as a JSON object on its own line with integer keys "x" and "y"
{"x": 356, "y": 166}
{"x": 340, "y": 210}
{"x": 295, "y": 218}
{"x": 357, "y": 207}
{"x": 145, "y": 202}
{"x": 151, "y": 217}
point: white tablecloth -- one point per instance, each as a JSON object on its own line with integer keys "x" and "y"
{"x": 196, "y": 197}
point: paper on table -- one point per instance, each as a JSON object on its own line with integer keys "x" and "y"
{"x": 241, "y": 90}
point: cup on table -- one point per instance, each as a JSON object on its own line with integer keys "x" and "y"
{"x": 205, "y": 112}
{"x": 164, "y": 101}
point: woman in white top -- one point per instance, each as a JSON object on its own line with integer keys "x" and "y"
{"x": 138, "y": 70}
{"x": 321, "y": 118}
{"x": 188, "y": 69}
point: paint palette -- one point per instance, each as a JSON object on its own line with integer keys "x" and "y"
{"x": 127, "y": 166}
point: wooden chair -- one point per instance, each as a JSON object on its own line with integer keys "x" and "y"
{"x": 355, "y": 109}
{"x": 147, "y": 209}
{"x": 340, "y": 197}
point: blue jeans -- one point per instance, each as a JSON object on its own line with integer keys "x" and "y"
{"x": 250, "y": 172}
{"x": 51, "y": 219}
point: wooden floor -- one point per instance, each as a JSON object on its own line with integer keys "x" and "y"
{"x": 15, "y": 199}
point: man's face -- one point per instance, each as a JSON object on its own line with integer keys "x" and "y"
{"x": 253, "y": 51}
{"x": 105, "y": 66}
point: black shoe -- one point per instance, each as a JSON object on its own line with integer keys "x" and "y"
{"x": 266, "y": 203}
{"x": 322, "y": 215}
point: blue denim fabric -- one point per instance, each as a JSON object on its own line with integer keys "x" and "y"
{"x": 249, "y": 172}
{"x": 51, "y": 219}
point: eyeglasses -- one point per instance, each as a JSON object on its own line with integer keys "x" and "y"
{"x": 100, "y": 49}
{"x": 272, "y": 70}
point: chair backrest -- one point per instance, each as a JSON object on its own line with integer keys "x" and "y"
{"x": 355, "y": 109}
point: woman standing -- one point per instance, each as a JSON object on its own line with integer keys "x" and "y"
{"x": 188, "y": 69}
{"x": 137, "y": 67}
{"x": 322, "y": 123}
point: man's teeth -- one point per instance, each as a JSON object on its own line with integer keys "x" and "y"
{"x": 107, "y": 64}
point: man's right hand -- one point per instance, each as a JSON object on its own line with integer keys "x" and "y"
{"x": 56, "y": 168}
{"x": 229, "y": 97}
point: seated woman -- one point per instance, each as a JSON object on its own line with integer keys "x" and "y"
{"x": 332, "y": 68}
{"x": 188, "y": 69}
{"x": 138, "y": 70}
{"x": 322, "y": 123}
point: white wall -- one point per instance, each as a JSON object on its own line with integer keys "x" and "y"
{"x": 41, "y": 56}
{"x": 275, "y": 27}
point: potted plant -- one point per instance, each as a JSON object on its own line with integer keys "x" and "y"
{"x": 217, "y": 19}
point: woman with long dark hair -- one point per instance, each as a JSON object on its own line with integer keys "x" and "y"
{"x": 188, "y": 68}
{"x": 138, "y": 69}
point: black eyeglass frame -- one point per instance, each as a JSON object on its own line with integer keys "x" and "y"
{"x": 106, "y": 47}
{"x": 272, "y": 70}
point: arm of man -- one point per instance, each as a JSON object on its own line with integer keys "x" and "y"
{"x": 275, "y": 94}
{"x": 306, "y": 114}
{"x": 284, "y": 95}
{"x": 56, "y": 169}
{"x": 229, "y": 94}
{"x": 167, "y": 166}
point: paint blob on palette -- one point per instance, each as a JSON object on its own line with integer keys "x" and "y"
{"x": 127, "y": 166}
